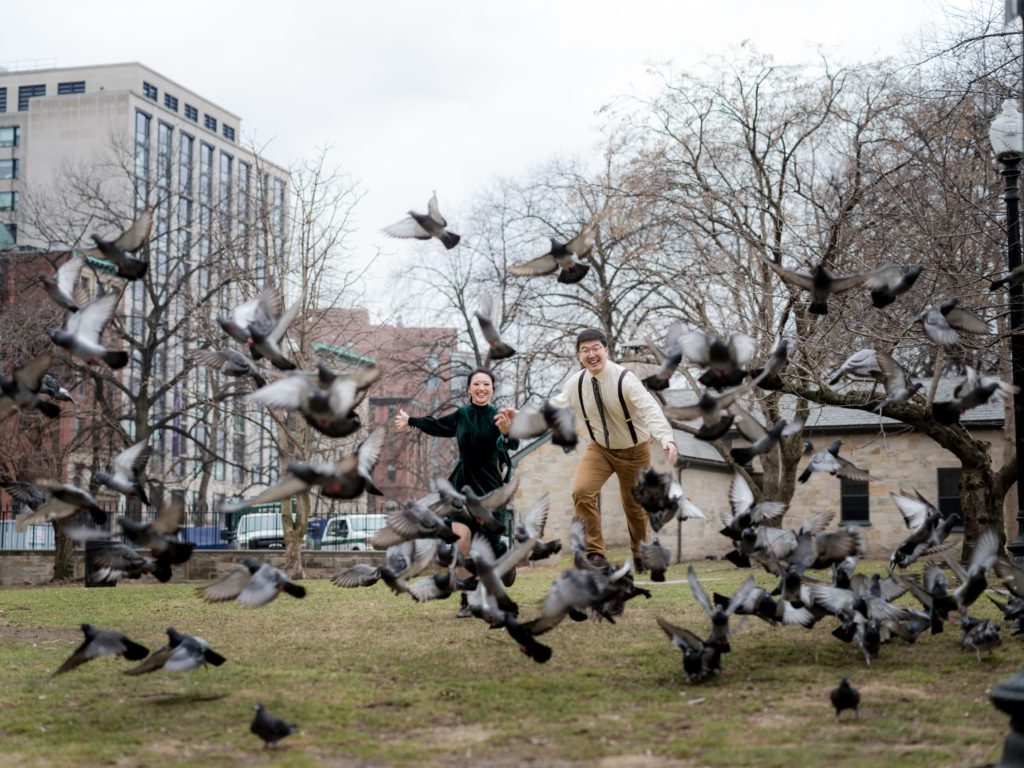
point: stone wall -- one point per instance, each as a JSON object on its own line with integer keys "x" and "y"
{"x": 896, "y": 461}
{"x": 35, "y": 567}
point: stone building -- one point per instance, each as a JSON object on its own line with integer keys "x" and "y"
{"x": 896, "y": 457}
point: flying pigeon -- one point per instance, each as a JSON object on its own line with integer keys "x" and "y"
{"x": 181, "y": 654}
{"x": 530, "y": 422}
{"x": 81, "y": 333}
{"x": 63, "y": 287}
{"x": 24, "y": 387}
{"x": 131, "y": 240}
{"x": 820, "y": 283}
{"x": 99, "y": 642}
{"x": 563, "y": 258}
{"x": 888, "y": 282}
{"x": 424, "y": 227}
{"x": 251, "y": 583}
{"x": 497, "y": 349}
{"x": 829, "y": 460}
{"x": 939, "y": 323}
{"x": 128, "y": 468}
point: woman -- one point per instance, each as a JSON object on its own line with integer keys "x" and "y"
{"x": 481, "y": 431}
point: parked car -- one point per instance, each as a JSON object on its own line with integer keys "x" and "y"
{"x": 259, "y": 530}
{"x": 352, "y": 532}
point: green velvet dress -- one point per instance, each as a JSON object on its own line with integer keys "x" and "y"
{"x": 484, "y": 462}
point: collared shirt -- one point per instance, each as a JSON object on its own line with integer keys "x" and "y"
{"x": 647, "y": 415}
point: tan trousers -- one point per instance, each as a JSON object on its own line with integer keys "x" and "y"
{"x": 598, "y": 464}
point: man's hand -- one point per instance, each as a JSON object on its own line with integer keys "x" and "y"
{"x": 671, "y": 451}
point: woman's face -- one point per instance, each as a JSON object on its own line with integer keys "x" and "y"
{"x": 481, "y": 390}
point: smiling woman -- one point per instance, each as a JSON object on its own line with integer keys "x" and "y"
{"x": 484, "y": 464}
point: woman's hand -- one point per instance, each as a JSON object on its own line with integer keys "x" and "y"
{"x": 503, "y": 421}
{"x": 401, "y": 420}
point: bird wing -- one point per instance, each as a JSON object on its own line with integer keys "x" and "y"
{"x": 798, "y": 279}
{"x": 840, "y": 284}
{"x": 228, "y": 587}
{"x": 501, "y": 495}
{"x": 913, "y": 508}
{"x": 740, "y": 597}
{"x": 289, "y": 486}
{"x": 696, "y": 347}
{"x": 285, "y": 320}
{"x": 542, "y": 265}
{"x": 342, "y": 396}
{"x": 288, "y": 393}
{"x": 818, "y": 523}
{"x": 24, "y": 493}
{"x": 883, "y": 277}
{"x": 985, "y": 552}
{"x": 528, "y": 422}
{"x": 244, "y": 314}
{"x": 369, "y": 452}
{"x": 537, "y": 518}
{"x": 360, "y": 575}
{"x": 682, "y": 413}
{"x": 741, "y": 498}
{"x": 133, "y": 238}
{"x": 483, "y": 316}
{"x": 132, "y": 460}
{"x": 434, "y": 212}
{"x": 583, "y": 243}
{"x": 30, "y": 375}
{"x": 682, "y": 638}
{"x": 967, "y": 321}
{"x": 171, "y": 517}
{"x": 742, "y": 347}
{"x": 211, "y": 358}
{"x": 68, "y": 274}
{"x": 87, "y": 323}
{"x": 895, "y": 376}
{"x": 698, "y": 591}
{"x": 848, "y": 471}
{"x": 405, "y": 229}
{"x": 747, "y": 425}
{"x": 1011, "y": 575}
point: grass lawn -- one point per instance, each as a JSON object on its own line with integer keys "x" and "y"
{"x": 377, "y": 680}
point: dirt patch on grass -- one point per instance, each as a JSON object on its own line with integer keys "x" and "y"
{"x": 452, "y": 736}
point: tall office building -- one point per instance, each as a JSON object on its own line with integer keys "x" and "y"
{"x": 146, "y": 141}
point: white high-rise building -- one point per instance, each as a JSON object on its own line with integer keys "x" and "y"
{"x": 215, "y": 202}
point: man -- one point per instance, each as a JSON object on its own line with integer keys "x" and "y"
{"x": 622, "y": 418}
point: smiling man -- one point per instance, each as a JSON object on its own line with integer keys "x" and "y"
{"x": 622, "y": 418}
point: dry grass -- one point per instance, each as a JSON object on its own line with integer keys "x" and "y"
{"x": 377, "y": 680}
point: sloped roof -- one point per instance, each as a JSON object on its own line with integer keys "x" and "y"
{"x": 831, "y": 417}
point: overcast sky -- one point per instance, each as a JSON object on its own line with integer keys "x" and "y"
{"x": 441, "y": 95}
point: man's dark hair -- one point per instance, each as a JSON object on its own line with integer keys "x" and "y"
{"x": 475, "y": 371}
{"x": 591, "y": 334}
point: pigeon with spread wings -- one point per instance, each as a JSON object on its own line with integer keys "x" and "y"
{"x": 424, "y": 226}
{"x": 81, "y": 333}
{"x": 821, "y": 283}
{"x": 564, "y": 258}
{"x": 132, "y": 240}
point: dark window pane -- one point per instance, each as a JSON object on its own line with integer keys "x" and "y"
{"x": 192, "y": 113}
{"x": 170, "y": 102}
{"x": 949, "y": 491}
{"x": 854, "y": 502}
{"x": 66, "y": 89}
{"x": 26, "y": 92}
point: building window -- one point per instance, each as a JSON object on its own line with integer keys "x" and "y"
{"x": 210, "y": 123}
{"x": 279, "y": 215}
{"x": 149, "y": 91}
{"x": 142, "y": 125}
{"x": 9, "y": 136}
{"x": 8, "y": 201}
{"x": 229, "y": 133}
{"x": 192, "y": 113}
{"x": 3, "y": 99}
{"x": 171, "y": 102}
{"x": 26, "y": 92}
{"x": 854, "y": 504}
{"x": 392, "y": 471}
{"x": 225, "y": 192}
{"x": 66, "y": 89}
{"x": 9, "y": 169}
{"x": 12, "y": 230}
{"x": 949, "y": 493}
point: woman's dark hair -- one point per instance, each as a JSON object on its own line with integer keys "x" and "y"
{"x": 591, "y": 334}
{"x": 475, "y": 371}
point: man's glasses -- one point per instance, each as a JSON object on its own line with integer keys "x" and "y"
{"x": 589, "y": 350}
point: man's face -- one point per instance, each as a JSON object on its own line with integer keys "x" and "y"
{"x": 593, "y": 355}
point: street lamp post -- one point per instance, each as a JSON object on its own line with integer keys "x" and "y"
{"x": 1007, "y": 137}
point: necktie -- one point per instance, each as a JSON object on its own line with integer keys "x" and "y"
{"x": 600, "y": 410}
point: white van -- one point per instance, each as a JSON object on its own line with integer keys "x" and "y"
{"x": 352, "y": 532}
{"x": 260, "y": 530}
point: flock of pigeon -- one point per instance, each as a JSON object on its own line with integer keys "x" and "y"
{"x": 423, "y": 559}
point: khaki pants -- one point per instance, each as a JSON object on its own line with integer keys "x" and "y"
{"x": 597, "y": 466}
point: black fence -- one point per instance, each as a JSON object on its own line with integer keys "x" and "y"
{"x": 253, "y": 528}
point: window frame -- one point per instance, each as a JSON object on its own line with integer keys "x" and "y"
{"x": 845, "y": 499}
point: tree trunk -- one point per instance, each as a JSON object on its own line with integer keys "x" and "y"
{"x": 981, "y": 509}
{"x": 294, "y": 518}
{"x": 63, "y": 556}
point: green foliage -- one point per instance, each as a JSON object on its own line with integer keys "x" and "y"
{"x": 374, "y": 678}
